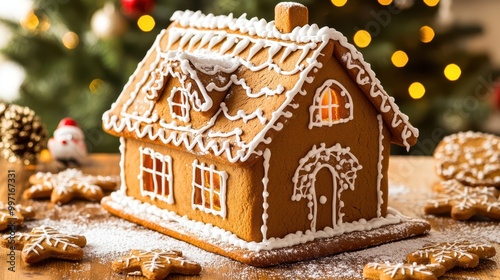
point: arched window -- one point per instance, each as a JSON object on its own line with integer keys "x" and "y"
{"x": 179, "y": 104}
{"x": 332, "y": 105}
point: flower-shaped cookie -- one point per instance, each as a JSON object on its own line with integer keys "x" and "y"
{"x": 473, "y": 158}
{"x": 156, "y": 264}
{"x": 68, "y": 184}
{"x": 464, "y": 202}
{"x": 46, "y": 242}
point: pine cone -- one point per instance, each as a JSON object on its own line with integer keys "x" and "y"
{"x": 23, "y": 134}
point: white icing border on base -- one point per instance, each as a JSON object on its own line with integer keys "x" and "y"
{"x": 143, "y": 210}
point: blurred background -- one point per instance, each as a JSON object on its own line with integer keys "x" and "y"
{"x": 439, "y": 59}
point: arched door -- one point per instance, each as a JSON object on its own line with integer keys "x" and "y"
{"x": 342, "y": 165}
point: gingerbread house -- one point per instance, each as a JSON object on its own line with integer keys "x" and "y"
{"x": 241, "y": 135}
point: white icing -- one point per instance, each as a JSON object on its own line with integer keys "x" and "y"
{"x": 397, "y": 269}
{"x": 153, "y": 214}
{"x": 196, "y": 29}
{"x": 161, "y": 190}
{"x": 343, "y": 166}
{"x": 471, "y": 157}
{"x": 204, "y": 187}
{"x": 265, "y": 193}
{"x": 380, "y": 175}
{"x": 123, "y": 186}
{"x": 344, "y": 99}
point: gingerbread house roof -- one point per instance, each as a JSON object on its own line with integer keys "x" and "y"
{"x": 215, "y": 60}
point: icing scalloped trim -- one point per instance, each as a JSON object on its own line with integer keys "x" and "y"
{"x": 120, "y": 201}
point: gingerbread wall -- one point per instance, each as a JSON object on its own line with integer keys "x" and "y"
{"x": 296, "y": 140}
{"x": 242, "y": 213}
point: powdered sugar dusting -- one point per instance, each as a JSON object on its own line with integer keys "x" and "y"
{"x": 110, "y": 238}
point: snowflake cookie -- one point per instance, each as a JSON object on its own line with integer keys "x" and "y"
{"x": 46, "y": 242}
{"x": 68, "y": 184}
{"x": 450, "y": 254}
{"x": 464, "y": 202}
{"x": 402, "y": 271}
{"x": 14, "y": 215}
{"x": 155, "y": 264}
{"x": 473, "y": 158}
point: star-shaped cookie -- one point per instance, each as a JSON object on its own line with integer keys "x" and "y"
{"x": 155, "y": 264}
{"x": 403, "y": 271}
{"x": 46, "y": 242}
{"x": 450, "y": 254}
{"x": 14, "y": 215}
{"x": 464, "y": 202}
{"x": 68, "y": 184}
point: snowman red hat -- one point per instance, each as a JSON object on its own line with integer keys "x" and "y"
{"x": 68, "y": 143}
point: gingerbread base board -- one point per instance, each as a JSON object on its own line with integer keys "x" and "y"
{"x": 314, "y": 249}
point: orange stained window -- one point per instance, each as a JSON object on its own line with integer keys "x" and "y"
{"x": 209, "y": 189}
{"x": 330, "y": 105}
{"x": 156, "y": 175}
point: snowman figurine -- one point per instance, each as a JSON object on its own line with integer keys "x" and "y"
{"x": 68, "y": 143}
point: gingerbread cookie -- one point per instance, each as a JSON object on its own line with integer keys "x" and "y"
{"x": 46, "y": 242}
{"x": 14, "y": 215}
{"x": 156, "y": 264}
{"x": 68, "y": 184}
{"x": 473, "y": 158}
{"x": 464, "y": 202}
{"x": 402, "y": 271}
{"x": 450, "y": 254}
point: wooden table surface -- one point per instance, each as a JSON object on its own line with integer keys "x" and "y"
{"x": 110, "y": 237}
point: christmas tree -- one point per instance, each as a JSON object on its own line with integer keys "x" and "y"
{"x": 79, "y": 54}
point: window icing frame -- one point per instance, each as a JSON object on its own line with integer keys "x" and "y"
{"x": 165, "y": 172}
{"x": 203, "y": 188}
{"x": 315, "y": 118}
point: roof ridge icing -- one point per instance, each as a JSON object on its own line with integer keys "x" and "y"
{"x": 353, "y": 60}
{"x": 254, "y": 26}
{"x": 310, "y": 38}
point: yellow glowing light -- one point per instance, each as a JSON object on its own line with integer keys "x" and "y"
{"x": 452, "y": 72}
{"x": 146, "y": 23}
{"x": 30, "y": 22}
{"x": 70, "y": 40}
{"x": 426, "y": 34}
{"x": 339, "y": 3}
{"x": 431, "y": 3}
{"x": 95, "y": 85}
{"x": 385, "y": 2}
{"x": 45, "y": 156}
{"x": 399, "y": 58}
{"x": 362, "y": 38}
{"x": 416, "y": 90}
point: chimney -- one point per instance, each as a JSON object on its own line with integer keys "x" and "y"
{"x": 288, "y": 15}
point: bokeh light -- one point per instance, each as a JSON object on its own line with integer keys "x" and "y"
{"x": 146, "y": 23}
{"x": 431, "y": 3}
{"x": 95, "y": 85}
{"x": 399, "y": 58}
{"x": 416, "y": 90}
{"x": 385, "y": 2}
{"x": 30, "y": 22}
{"x": 339, "y": 3}
{"x": 426, "y": 34}
{"x": 452, "y": 72}
{"x": 362, "y": 38}
{"x": 70, "y": 40}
